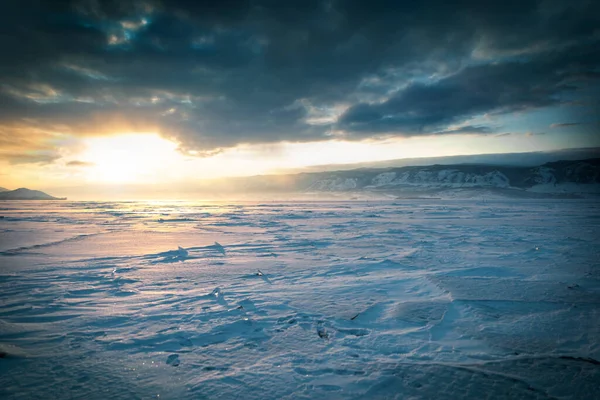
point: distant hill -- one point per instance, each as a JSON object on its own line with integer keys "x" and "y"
{"x": 3, "y": 189}
{"x": 560, "y": 178}
{"x": 465, "y": 175}
{"x": 26, "y": 194}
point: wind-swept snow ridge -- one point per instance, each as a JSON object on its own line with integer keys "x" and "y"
{"x": 219, "y": 248}
{"x": 181, "y": 252}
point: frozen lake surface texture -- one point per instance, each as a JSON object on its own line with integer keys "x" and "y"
{"x": 412, "y": 299}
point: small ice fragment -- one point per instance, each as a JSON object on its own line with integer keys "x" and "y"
{"x": 259, "y": 273}
{"x": 173, "y": 360}
{"x": 322, "y": 333}
{"x": 220, "y": 248}
{"x": 247, "y": 305}
{"x": 216, "y": 292}
{"x": 181, "y": 252}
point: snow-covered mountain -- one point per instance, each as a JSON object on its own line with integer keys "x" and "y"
{"x": 561, "y": 177}
{"x": 451, "y": 177}
{"x": 460, "y": 176}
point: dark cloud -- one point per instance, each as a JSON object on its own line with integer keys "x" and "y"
{"x": 466, "y": 130}
{"x": 216, "y": 74}
{"x": 422, "y": 108}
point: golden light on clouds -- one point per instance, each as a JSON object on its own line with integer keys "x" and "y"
{"x": 137, "y": 157}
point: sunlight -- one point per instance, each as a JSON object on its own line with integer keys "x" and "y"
{"x": 149, "y": 158}
{"x": 129, "y": 158}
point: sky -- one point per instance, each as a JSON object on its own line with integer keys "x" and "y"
{"x": 132, "y": 91}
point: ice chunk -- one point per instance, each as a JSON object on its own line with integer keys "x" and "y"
{"x": 322, "y": 333}
{"x": 219, "y": 248}
{"x": 181, "y": 252}
{"x": 173, "y": 360}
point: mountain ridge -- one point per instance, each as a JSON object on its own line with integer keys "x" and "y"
{"x": 556, "y": 177}
{"x": 566, "y": 178}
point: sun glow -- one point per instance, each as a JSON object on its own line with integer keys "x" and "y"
{"x": 148, "y": 158}
{"x": 129, "y": 158}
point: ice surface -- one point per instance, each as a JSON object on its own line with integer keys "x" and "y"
{"x": 399, "y": 299}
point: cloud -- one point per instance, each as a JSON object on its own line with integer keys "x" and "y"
{"x": 527, "y": 134}
{"x": 216, "y": 75}
{"x": 34, "y": 157}
{"x": 24, "y": 144}
{"x": 564, "y": 124}
{"x": 77, "y": 163}
{"x": 530, "y": 134}
{"x": 464, "y": 130}
{"x": 422, "y": 108}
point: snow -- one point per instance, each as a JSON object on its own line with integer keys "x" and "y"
{"x": 366, "y": 299}
{"x": 219, "y": 248}
{"x": 570, "y": 187}
{"x": 383, "y": 179}
{"x": 545, "y": 176}
{"x": 334, "y": 184}
{"x": 447, "y": 178}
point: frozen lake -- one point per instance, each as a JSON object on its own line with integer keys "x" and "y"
{"x": 413, "y": 299}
